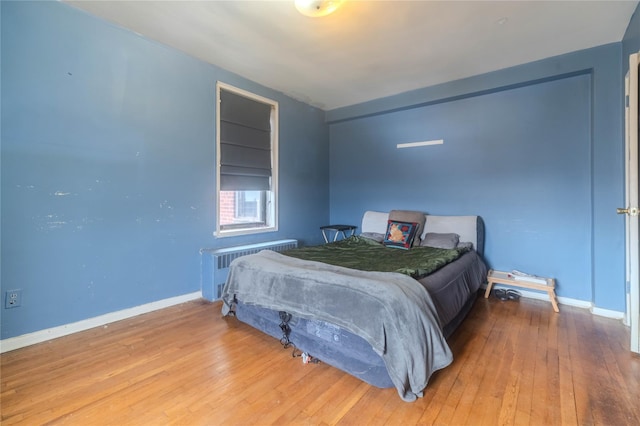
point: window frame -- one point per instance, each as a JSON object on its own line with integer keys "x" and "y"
{"x": 271, "y": 214}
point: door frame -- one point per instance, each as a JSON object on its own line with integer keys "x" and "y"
{"x": 632, "y": 249}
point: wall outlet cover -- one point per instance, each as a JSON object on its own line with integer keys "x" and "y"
{"x": 12, "y": 298}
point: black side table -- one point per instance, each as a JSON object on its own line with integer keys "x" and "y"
{"x": 338, "y": 229}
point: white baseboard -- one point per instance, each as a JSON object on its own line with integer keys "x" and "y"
{"x": 18, "y": 342}
{"x": 608, "y": 313}
{"x": 570, "y": 302}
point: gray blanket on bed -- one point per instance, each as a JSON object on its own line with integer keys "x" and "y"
{"x": 391, "y": 311}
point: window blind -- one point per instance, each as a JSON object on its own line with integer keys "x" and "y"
{"x": 245, "y": 143}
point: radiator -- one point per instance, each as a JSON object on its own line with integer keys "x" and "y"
{"x": 215, "y": 263}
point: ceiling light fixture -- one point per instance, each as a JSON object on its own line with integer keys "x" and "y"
{"x": 317, "y": 8}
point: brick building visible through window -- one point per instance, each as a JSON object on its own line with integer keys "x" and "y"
{"x": 227, "y": 206}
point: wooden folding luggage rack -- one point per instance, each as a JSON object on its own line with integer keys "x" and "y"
{"x": 499, "y": 277}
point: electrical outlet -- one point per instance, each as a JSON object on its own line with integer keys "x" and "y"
{"x": 13, "y": 298}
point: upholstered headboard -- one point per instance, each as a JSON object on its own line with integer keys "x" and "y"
{"x": 470, "y": 228}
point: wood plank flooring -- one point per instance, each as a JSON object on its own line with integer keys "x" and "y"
{"x": 516, "y": 362}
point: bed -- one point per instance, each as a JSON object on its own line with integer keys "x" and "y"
{"x": 386, "y": 327}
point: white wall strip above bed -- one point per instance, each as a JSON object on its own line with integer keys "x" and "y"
{"x": 416, "y": 144}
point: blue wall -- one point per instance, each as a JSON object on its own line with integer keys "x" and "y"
{"x": 108, "y": 167}
{"x": 108, "y": 153}
{"x": 536, "y": 150}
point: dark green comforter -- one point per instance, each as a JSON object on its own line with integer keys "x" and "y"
{"x": 367, "y": 255}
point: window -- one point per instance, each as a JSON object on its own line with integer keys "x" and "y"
{"x": 247, "y": 154}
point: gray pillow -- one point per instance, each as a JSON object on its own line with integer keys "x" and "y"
{"x": 410, "y": 216}
{"x": 376, "y": 236}
{"x": 465, "y": 245}
{"x": 436, "y": 240}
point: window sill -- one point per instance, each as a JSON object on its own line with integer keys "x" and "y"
{"x": 237, "y": 232}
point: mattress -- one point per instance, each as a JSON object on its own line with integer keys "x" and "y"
{"x": 453, "y": 289}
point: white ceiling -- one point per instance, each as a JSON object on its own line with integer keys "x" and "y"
{"x": 368, "y": 49}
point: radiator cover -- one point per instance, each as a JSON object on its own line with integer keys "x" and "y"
{"x": 215, "y": 263}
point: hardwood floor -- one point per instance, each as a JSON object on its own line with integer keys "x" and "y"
{"x": 516, "y": 362}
